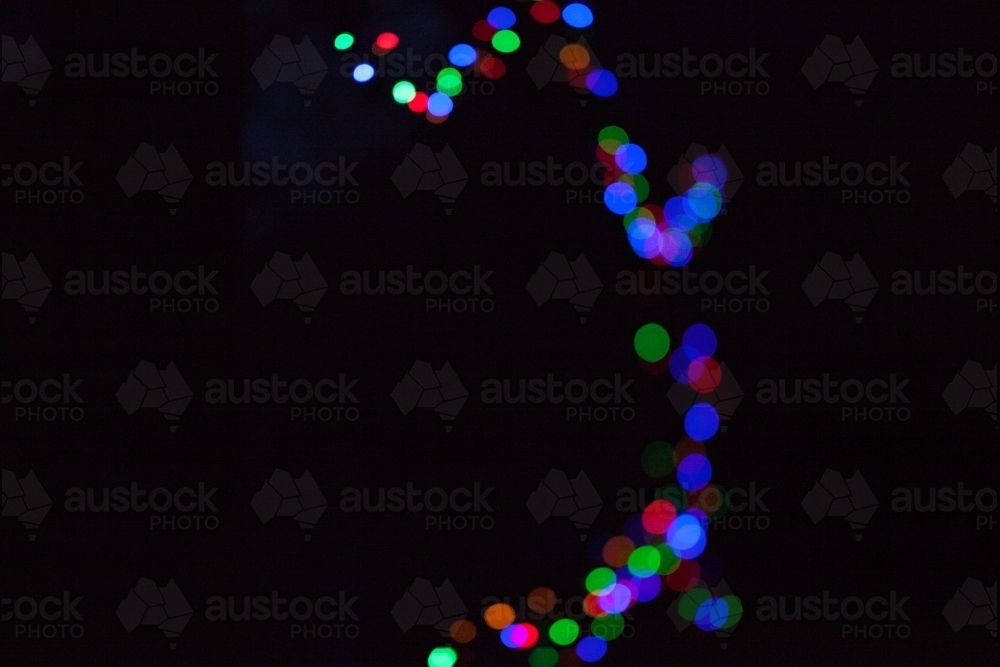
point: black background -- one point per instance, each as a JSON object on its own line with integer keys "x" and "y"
{"x": 507, "y": 230}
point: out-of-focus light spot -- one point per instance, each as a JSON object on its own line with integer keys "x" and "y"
{"x": 688, "y": 604}
{"x": 616, "y": 551}
{"x": 648, "y": 588}
{"x": 501, "y": 18}
{"x": 404, "y": 92}
{"x": 564, "y": 632}
{"x": 574, "y": 57}
{"x": 363, "y": 73}
{"x": 611, "y": 137}
{"x": 600, "y": 580}
{"x": 542, "y": 600}
{"x": 343, "y": 41}
{"x": 506, "y": 41}
{"x": 675, "y": 247}
{"x": 701, "y": 421}
{"x": 545, "y": 12}
{"x": 499, "y": 616}
{"x": 591, "y": 649}
{"x": 710, "y": 169}
{"x": 704, "y": 375}
{"x": 735, "y": 609}
{"x": 419, "y": 103}
{"x": 620, "y": 198}
{"x": 592, "y": 606}
{"x": 712, "y": 499}
{"x": 670, "y": 562}
{"x": 442, "y": 657}
{"x": 651, "y": 342}
{"x": 608, "y": 627}
{"x": 631, "y": 158}
{"x": 492, "y": 68}
{"x": 639, "y": 183}
{"x": 694, "y": 472}
{"x": 463, "y": 631}
{"x": 449, "y": 81}
{"x": 657, "y": 459}
{"x": 387, "y": 41}
{"x": 462, "y": 55}
{"x": 686, "y": 536}
{"x": 483, "y": 31}
{"x": 543, "y": 657}
{"x": 524, "y": 635}
{"x": 507, "y": 637}
{"x": 680, "y": 362}
{"x": 703, "y": 201}
{"x": 678, "y": 215}
{"x": 439, "y": 104}
{"x": 577, "y": 15}
{"x": 711, "y": 614}
{"x": 617, "y": 600}
{"x": 436, "y": 120}
{"x": 602, "y": 83}
{"x": 701, "y": 234}
{"x": 685, "y": 576}
{"x": 644, "y": 561}
{"x": 701, "y": 338}
{"x": 658, "y": 516}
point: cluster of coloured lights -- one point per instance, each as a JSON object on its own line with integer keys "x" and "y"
{"x": 497, "y": 36}
{"x": 658, "y": 549}
{"x": 666, "y": 234}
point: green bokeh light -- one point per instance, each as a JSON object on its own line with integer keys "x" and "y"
{"x": 658, "y": 459}
{"x": 644, "y": 561}
{"x": 543, "y": 657}
{"x": 506, "y": 41}
{"x": 442, "y": 657}
{"x": 687, "y": 605}
{"x": 564, "y": 631}
{"x": 608, "y": 627}
{"x": 669, "y": 560}
{"x": 449, "y": 81}
{"x": 343, "y": 41}
{"x": 735, "y": 611}
{"x": 601, "y": 580}
{"x": 403, "y": 92}
{"x": 652, "y": 342}
{"x": 611, "y": 137}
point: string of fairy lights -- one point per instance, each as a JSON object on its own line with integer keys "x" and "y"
{"x": 658, "y": 549}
